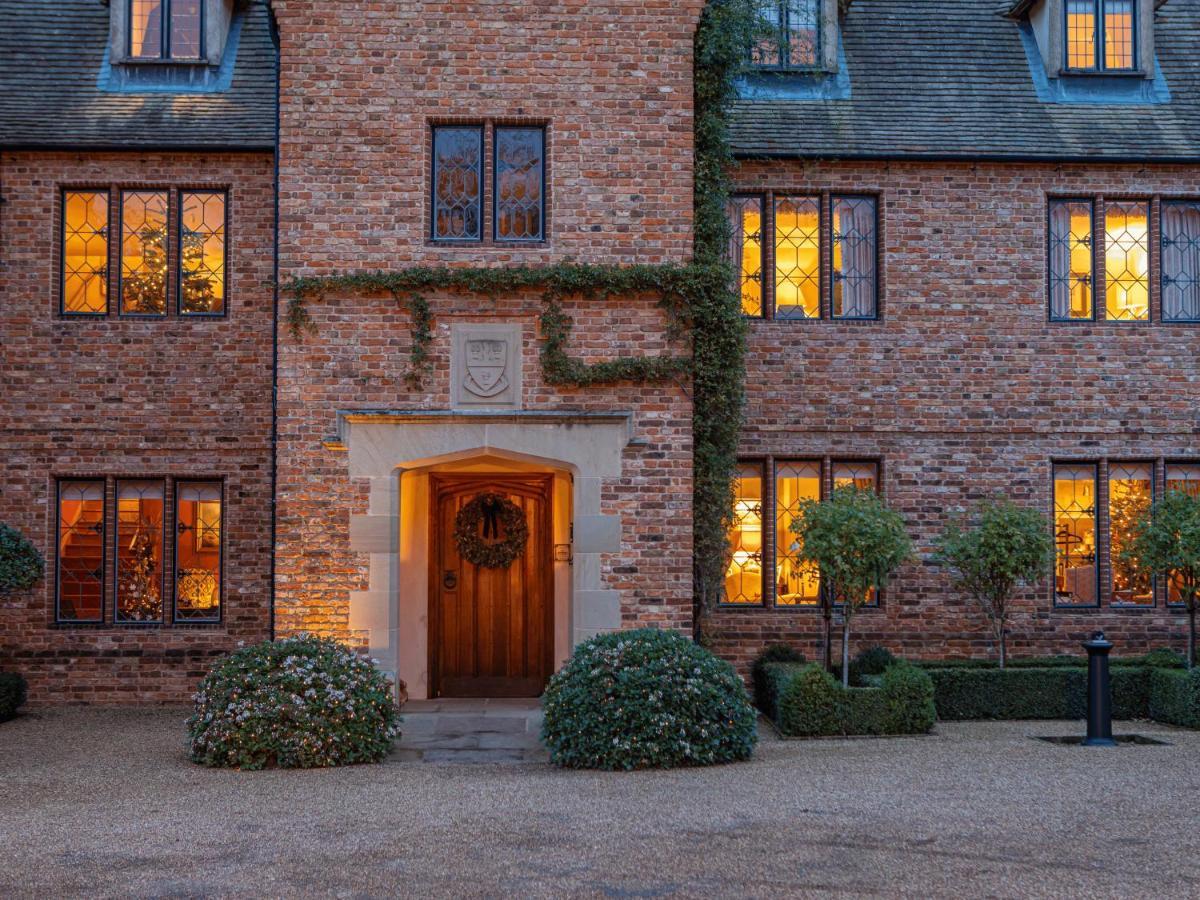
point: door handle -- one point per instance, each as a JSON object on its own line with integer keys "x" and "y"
{"x": 450, "y": 580}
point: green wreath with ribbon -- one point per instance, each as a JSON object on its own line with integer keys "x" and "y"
{"x": 478, "y": 526}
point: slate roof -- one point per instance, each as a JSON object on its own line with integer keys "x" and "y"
{"x": 51, "y": 57}
{"x": 951, "y": 79}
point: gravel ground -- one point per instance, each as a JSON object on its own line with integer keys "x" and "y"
{"x": 104, "y": 803}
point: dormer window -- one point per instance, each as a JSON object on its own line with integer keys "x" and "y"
{"x": 1101, "y": 35}
{"x": 790, "y": 35}
{"x": 166, "y": 29}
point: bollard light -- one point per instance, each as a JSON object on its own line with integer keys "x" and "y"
{"x": 1099, "y": 707}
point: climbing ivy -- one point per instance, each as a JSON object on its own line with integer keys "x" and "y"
{"x": 699, "y": 299}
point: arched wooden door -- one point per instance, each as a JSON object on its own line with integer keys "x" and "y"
{"x": 490, "y": 630}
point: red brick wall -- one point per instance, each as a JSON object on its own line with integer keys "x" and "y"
{"x": 964, "y": 389}
{"x": 168, "y": 398}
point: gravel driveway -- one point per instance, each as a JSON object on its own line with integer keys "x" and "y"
{"x": 104, "y": 803}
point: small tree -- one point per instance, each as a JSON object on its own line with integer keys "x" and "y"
{"x": 1165, "y": 540}
{"x": 857, "y": 543}
{"x": 21, "y": 565}
{"x": 1009, "y": 546}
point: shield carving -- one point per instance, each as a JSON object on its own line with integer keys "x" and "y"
{"x": 487, "y": 366}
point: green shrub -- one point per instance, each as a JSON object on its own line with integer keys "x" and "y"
{"x": 646, "y": 699}
{"x": 21, "y": 565}
{"x": 303, "y": 702}
{"x": 1175, "y": 697}
{"x": 772, "y": 653}
{"x": 1163, "y": 658}
{"x": 808, "y": 702}
{"x": 1013, "y": 693}
{"x": 12, "y": 694}
{"x": 873, "y": 661}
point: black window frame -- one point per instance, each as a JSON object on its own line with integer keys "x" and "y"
{"x": 1163, "y": 278}
{"x": 1110, "y": 585}
{"x": 179, "y": 311}
{"x": 164, "y": 51}
{"x": 481, "y": 130}
{"x": 782, "y": 34}
{"x": 116, "y": 573}
{"x": 1098, "y": 42}
{"x": 1097, "y": 538}
{"x": 496, "y": 238}
{"x": 62, "y": 252}
{"x": 220, "y": 617}
{"x": 763, "y": 466}
{"x": 103, "y": 579}
{"x": 1050, "y": 278}
{"x": 167, "y": 249}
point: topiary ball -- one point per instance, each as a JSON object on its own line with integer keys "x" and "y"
{"x": 300, "y": 703}
{"x": 646, "y": 699}
{"x": 21, "y": 565}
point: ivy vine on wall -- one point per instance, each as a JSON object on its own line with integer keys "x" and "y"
{"x": 699, "y": 299}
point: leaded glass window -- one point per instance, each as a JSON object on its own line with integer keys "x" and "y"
{"x": 80, "y": 552}
{"x": 166, "y": 29}
{"x": 520, "y": 201}
{"x": 139, "y": 553}
{"x": 198, "y": 537}
{"x": 1100, "y": 34}
{"x": 854, "y": 257}
{"x": 746, "y": 250}
{"x": 457, "y": 183}
{"x": 862, "y": 475}
{"x": 144, "y": 253}
{"x": 1127, "y": 260}
{"x": 1183, "y": 477}
{"x": 1130, "y": 495}
{"x": 1071, "y": 260}
{"x": 797, "y": 257}
{"x": 202, "y": 253}
{"x": 1075, "y": 506}
{"x": 797, "y": 580}
{"x": 1181, "y": 261}
{"x": 790, "y": 34}
{"x": 744, "y": 572}
{"x": 85, "y": 253}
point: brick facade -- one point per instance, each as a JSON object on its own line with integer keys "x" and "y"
{"x": 118, "y": 397}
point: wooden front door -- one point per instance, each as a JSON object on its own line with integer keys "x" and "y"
{"x": 491, "y": 629}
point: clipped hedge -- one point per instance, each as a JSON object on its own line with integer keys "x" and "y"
{"x": 772, "y": 653}
{"x": 13, "y": 691}
{"x": 1174, "y": 697}
{"x": 646, "y": 699}
{"x": 805, "y": 701}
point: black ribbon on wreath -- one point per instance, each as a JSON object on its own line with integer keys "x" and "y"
{"x": 491, "y": 518}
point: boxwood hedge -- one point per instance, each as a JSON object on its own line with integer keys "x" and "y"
{"x": 1174, "y": 697}
{"x": 12, "y": 694}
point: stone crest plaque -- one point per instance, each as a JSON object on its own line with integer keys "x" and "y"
{"x": 485, "y": 366}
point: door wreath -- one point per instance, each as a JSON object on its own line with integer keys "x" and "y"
{"x": 478, "y": 526}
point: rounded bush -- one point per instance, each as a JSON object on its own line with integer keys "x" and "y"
{"x": 299, "y": 703}
{"x": 872, "y": 661}
{"x": 646, "y": 699}
{"x": 21, "y": 565}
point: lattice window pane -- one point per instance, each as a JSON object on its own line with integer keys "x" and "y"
{"x": 1071, "y": 259}
{"x": 1081, "y": 34}
{"x": 790, "y": 34}
{"x": 202, "y": 262}
{"x": 80, "y": 575}
{"x": 746, "y": 250}
{"x": 144, "y": 253}
{"x": 798, "y": 257}
{"x": 1118, "y": 34}
{"x": 797, "y": 580}
{"x": 1130, "y": 494}
{"x": 457, "y": 183}
{"x": 85, "y": 252}
{"x": 1183, "y": 477}
{"x": 744, "y": 571}
{"x": 520, "y": 206}
{"x": 1181, "y": 262}
{"x": 139, "y": 551}
{"x": 185, "y": 29}
{"x": 862, "y": 475}
{"x": 854, "y": 257}
{"x": 1127, "y": 261}
{"x": 198, "y": 540}
{"x": 146, "y": 29}
{"x": 1075, "y": 534}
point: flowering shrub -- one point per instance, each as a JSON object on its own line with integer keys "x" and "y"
{"x": 298, "y": 703}
{"x": 646, "y": 699}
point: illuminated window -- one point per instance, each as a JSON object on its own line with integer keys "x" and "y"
{"x": 520, "y": 204}
{"x": 1130, "y": 495}
{"x": 1071, "y": 260}
{"x": 80, "y": 552}
{"x": 744, "y": 575}
{"x": 797, "y": 580}
{"x": 166, "y": 29}
{"x": 854, "y": 257}
{"x": 198, "y": 537}
{"x": 1075, "y": 535}
{"x": 457, "y": 183}
{"x": 202, "y": 253}
{"x": 746, "y": 250}
{"x": 1127, "y": 260}
{"x": 85, "y": 253}
{"x": 1183, "y": 477}
{"x": 790, "y": 34}
{"x": 1100, "y": 34}
{"x": 1181, "y": 261}
{"x": 797, "y": 257}
{"x": 862, "y": 475}
{"x": 144, "y": 253}
{"x": 139, "y": 552}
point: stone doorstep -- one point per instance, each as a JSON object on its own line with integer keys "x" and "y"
{"x": 471, "y": 731}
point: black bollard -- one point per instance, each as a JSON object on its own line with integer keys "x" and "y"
{"x": 1099, "y": 714}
